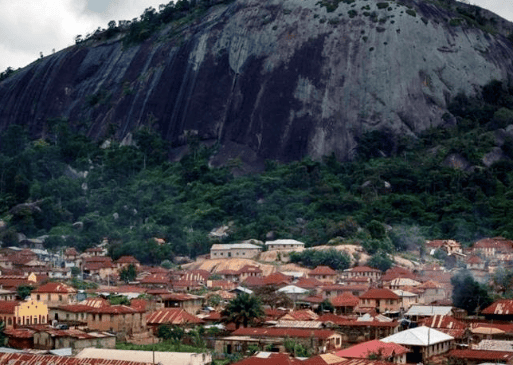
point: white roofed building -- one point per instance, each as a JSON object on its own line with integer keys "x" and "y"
{"x": 285, "y": 244}
{"x": 424, "y": 342}
{"x": 417, "y": 312}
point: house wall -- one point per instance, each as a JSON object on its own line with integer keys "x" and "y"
{"x": 275, "y": 246}
{"x": 436, "y": 349}
{"x": 43, "y": 341}
{"x": 401, "y": 359}
{"x": 431, "y": 295}
{"x": 325, "y": 278}
{"x": 8, "y": 319}
{"x": 373, "y": 275}
{"x": 382, "y": 304}
{"x": 407, "y": 302}
{"x": 122, "y": 324}
{"x": 246, "y": 253}
{"x": 192, "y": 306}
{"x": 8, "y": 296}
{"x": 31, "y": 312}
{"x": 54, "y": 299}
{"x": 315, "y": 345}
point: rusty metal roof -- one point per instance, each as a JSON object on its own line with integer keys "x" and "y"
{"x": 172, "y": 316}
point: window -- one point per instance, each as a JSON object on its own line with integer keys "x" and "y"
{"x": 38, "y": 297}
{"x": 60, "y": 298}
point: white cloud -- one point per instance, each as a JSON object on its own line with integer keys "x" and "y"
{"x": 28, "y": 27}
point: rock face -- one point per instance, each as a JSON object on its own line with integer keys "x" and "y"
{"x": 274, "y": 79}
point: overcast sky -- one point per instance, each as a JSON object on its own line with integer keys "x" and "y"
{"x": 28, "y": 27}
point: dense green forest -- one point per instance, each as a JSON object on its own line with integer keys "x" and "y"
{"x": 397, "y": 191}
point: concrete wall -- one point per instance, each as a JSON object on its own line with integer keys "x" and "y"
{"x": 237, "y": 253}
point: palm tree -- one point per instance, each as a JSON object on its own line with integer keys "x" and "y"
{"x": 243, "y": 309}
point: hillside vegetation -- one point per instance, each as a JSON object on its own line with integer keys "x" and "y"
{"x": 399, "y": 190}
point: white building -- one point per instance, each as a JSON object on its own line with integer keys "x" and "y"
{"x": 423, "y": 342}
{"x": 286, "y": 244}
{"x": 238, "y": 250}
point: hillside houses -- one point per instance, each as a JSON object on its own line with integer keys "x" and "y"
{"x": 373, "y": 310}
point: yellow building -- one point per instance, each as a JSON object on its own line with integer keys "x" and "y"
{"x": 14, "y": 313}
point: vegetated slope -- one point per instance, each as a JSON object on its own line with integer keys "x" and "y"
{"x": 276, "y": 79}
{"x": 452, "y": 182}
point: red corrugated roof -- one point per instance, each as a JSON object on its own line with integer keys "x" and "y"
{"x": 438, "y": 321}
{"x": 364, "y": 349}
{"x": 247, "y": 269}
{"x": 179, "y": 297}
{"x": 172, "y": 316}
{"x": 71, "y": 252}
{"x": 308, "y": 283}
{"x": 139, "y": 304}
{"x": 19, "y": 332}
{"x": 500, "y": 307}
{"x": 345, "y": 300}
{"x": 13, "y": 281}
{"x": 7, "y": 306}
{"x": 111, "y": 309}
{"x": 253, "y": 281}
{"x": 29, "y": 359}
{"x": 300, "y": 315}
{"x": 314, "y": 299}
{"x": 474, "y": 260}
{"x": 322, "y": 270}
{"x": 277, "y": 278}
{"x": 273, "y": 359}
{"x": 155, "y": 279}
{"x": 127, "y": 260}
{"x": 352, "y": 322}
{"x": 506, "y": 327}
{"x": 213, "y": 316}
{"x": 55, "y": 288}
{"x": 397, "y": 272}
{"x": 481, "y": 355}
{"x": 284, "y": 332}
{"x": 379, "y": 294}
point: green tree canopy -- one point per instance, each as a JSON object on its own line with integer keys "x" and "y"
{"x": 269, "y": 295}
{"x": 381, "y": 261}
{"x": 24, "y": 291}
{"x": 243, "y": 310}
{"x": 468, "y": 294}
{"x": 128, "y": 273}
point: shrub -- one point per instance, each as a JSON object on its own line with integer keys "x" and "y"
{"x": 455, "y": 22}
{"x": 382, "y": 5}
{"x": 411, "y": 12}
